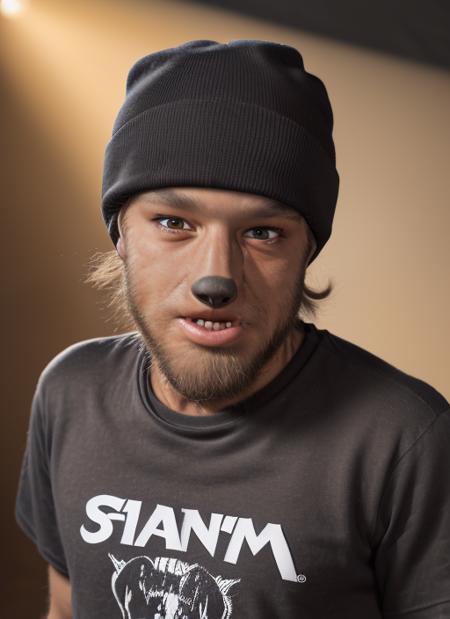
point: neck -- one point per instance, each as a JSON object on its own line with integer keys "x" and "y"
{"x": 171, "y": 398}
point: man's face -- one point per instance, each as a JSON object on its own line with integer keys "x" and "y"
{"x": 173, "y": 237}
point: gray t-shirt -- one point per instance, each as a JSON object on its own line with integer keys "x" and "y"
{"x": 324, "y": 495}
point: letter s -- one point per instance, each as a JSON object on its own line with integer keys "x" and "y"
{"x": 104, "y": 520}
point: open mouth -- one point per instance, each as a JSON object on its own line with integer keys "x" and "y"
{"x": 213, "y": 325}
{"x": 205, "y": 331}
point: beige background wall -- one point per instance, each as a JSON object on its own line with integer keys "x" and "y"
{"x": 63, "y": 71}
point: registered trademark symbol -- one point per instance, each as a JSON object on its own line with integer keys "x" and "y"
{"x": 301, "y": 578}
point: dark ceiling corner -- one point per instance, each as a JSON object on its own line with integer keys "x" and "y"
{"x": 411, "y": 29}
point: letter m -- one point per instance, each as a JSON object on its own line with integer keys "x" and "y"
{"x": 271, "y": 534}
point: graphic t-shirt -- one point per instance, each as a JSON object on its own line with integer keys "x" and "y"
{"x": 325, "y": 495}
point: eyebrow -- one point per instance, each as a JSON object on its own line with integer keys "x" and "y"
{"x": 272, "y": 207}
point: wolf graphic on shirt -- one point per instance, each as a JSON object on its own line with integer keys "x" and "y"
{"x": 167, "y": 588}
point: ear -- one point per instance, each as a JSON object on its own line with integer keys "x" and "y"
{"x": 311, "y": 242}
{"x": 120, "y": 245}
{"x": 311, "y": 252}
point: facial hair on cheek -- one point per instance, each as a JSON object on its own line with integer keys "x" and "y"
{"x": 216, "y": 373}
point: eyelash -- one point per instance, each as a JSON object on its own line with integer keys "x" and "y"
{"x": 160, "y": 218}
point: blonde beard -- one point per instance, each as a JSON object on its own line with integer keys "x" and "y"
{"x": 215, "y": 374}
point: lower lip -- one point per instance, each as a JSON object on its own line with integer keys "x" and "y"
{"x": 206, "y": 337}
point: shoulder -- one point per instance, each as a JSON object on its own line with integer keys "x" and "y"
{"x": 90, "y": 360}
{"x": 380, "y": 385}
{"x": 82, "y": 381}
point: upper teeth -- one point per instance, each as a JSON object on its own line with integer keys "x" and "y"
{"x": 213, "y": 326}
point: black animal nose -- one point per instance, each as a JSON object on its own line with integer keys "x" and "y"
{"x": 215, "y": 291}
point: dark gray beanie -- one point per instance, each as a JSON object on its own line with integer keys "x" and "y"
{"x": 243, "y": 116}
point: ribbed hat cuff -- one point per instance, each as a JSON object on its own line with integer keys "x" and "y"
{"x": 226, "y": 145}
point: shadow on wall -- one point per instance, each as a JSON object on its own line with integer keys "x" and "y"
{"x": 407, "y": 28}
{"x": 47, "y": 307}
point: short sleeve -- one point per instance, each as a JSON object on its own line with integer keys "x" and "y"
{"x": 412, "y": 556}
{"x": 35, "y": 509}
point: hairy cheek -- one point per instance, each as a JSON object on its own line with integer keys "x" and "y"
{"x": 282, "y": 291}
{"x": 155, "y": 280}
{"x": 271, "y": 281}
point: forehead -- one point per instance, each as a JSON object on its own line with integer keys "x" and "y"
{"x": 215, "y": 202}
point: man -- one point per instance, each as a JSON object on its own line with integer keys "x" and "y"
{"x": 227, "y": 458}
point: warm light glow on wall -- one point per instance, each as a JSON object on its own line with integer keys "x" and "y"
{"x": 64, "y": 65}
{"x": 11, "y": 8}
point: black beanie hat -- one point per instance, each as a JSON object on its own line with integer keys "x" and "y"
{"x": 243, "y": 116}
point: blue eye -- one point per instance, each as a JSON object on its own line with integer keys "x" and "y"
{"x": 264, "y": 234}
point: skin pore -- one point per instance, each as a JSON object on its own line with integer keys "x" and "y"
{"x": 169, "y": 238}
